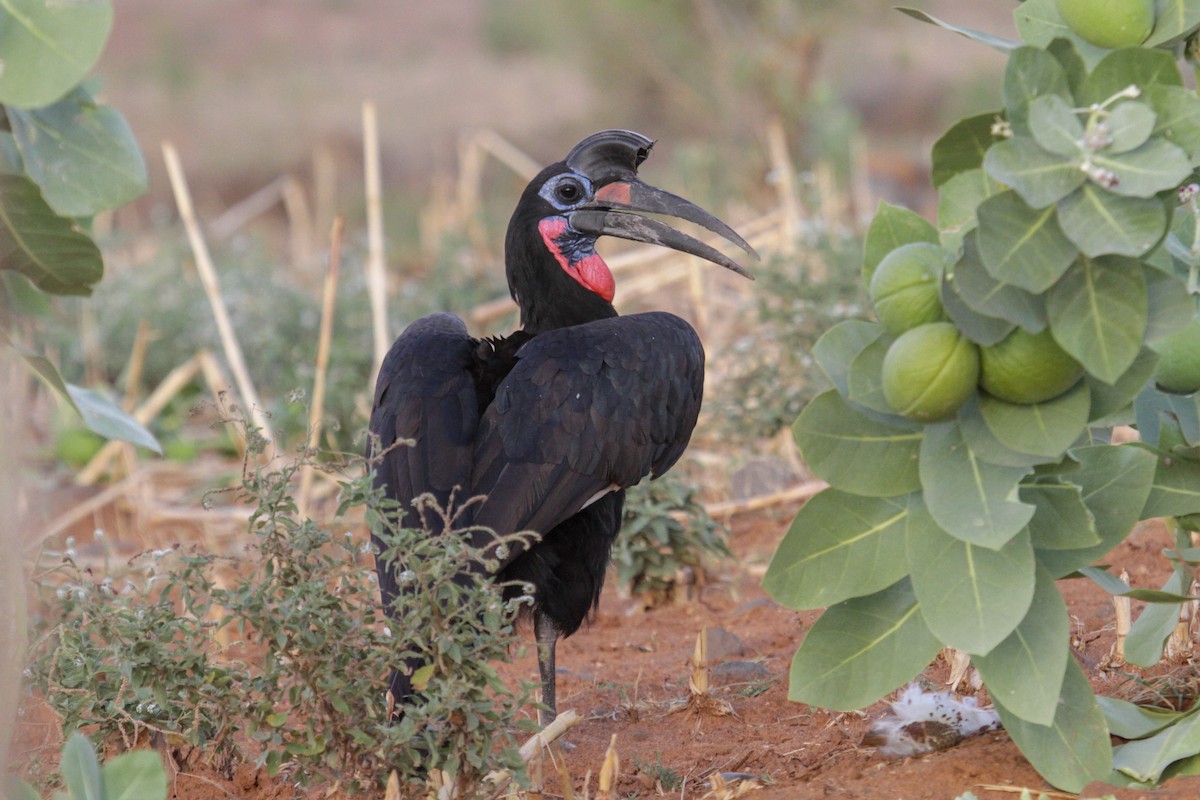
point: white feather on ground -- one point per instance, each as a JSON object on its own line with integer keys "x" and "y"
{"x": 921, "y": 721}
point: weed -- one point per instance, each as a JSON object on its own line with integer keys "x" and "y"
{"x": 665, "y": 779}
{"x": 133, "y": 776}
{"x": 665, "y": 530}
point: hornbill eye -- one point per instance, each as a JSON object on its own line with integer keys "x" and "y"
{"x": 568, "y": 192}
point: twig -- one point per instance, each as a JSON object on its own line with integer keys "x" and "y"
{"x": 376, "y": 277}
{"x": 300, "y": 224}
{"x": 994, "y": 787}
{"x": 240, "y": 213}
{"x": 317, "y": 411}
{"x": 783, "y": 174}
{"x": 544, "y": 738}
{"x": 208, "y": 277}
{"x": 137, "y": 361}
{"x": 732, "y": 507}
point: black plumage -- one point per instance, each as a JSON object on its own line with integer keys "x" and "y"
{"x": 551, "y": 424}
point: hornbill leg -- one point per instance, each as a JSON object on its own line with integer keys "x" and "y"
{"x": 546, "y": 631}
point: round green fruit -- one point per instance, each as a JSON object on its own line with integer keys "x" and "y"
{"x": 906, "y": 287}
{"x": 1178, "y": 367}
{"x": 1109, "y": 23}
{"x": 930, "y": 371}
{"x": 1027, "y": 368}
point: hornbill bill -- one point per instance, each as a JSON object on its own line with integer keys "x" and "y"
{"x": 552, "y": 423}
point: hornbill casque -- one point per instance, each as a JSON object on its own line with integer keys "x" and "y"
{"x": 551, "y": 424}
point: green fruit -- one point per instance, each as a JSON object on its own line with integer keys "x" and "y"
{"x": 1027, "y": 368}
{"x": 906, "y": 287}
{"x": 1179, "y": 359}
{"x": 1109, "y": 23}
{"x": 930, "y": 371}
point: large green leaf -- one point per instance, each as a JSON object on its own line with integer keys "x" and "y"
{"x": 1129, "y": 66}
{"x": 865, "y": 379}
{"x": 43, "y": 246}
{"x": 1062, "y": 521}
{"x": 1039, "y": 176}
{"x": 992, "y": 41}
{"x": 1147, "y": 170}
{"x": 1144, "y": 645}
{"x": 971, "y": 499}
{"x": 1025, "y": 671}
{"x": 1098, "y": 314}
{"x": 856, "y": 453}
{"x": 1100, "y": 222}
{"x": 80, "y": 769}
{"x": 1031, "y": 72}
{"x": 1115, "y": 481}
{"x": 1131, "y": 721}
{"x": 1169, "y": 306}
{"x": 983, "y": 441}
{"x": 1021, "y": 245}
{"x": 1074, "y": 749}
{"x": 82, "y": 156}
{"x": 135, "y": 776}
{"x": 861, "y": 649}
{"x": 13, "y": 788}
{"x": 1129, "y": 125}
{"x": 1176, "y": 488}
{"x": 1115, "y": 586}
{"x": 971, "y": 597}
{"x": 962, "y": 147}
{"x": 1173, "y": 19}
{"x": 1040, "y": 429}
{"x": 839, "y": 546}
{"x": 957, "y": 200}
{"x": 1056, "y": 127}
{"x": 840, "y": 345}
{"x": 990, "y": 297}
{"x": 46, "y": 48}
{"x": 891, "y": 227}
{"x": 1145, "y": 759}
{"x": 979, "y": 328}
{"x": 1039, "y": 23}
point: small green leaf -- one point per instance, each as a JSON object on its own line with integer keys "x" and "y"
{"x": 891, "y": 227}
{"x": 856, "y": 453}
{"x": 1022, "y": 246}
{"x": 1031, "y": 72}
{"x": 1146, "y": 759}
{"x": 1101, "y": 222}
{"x": 43, "y": 246}
{"x": 1173, "y": 20}
{"x": 1041, "y": 429}
{"x": 1176, "y": 488}
{"x": 969, "y": 498}
{"x": 15, "y": 789}
{"x": 1115, "y": 586}
{"x": 1056, "y": 127}
{"x": 1117, "y": 398}
{"x": 82, "y": 155}
{"x": 1025, "y": 672}
{"x": 46, "y": 48}
{"x": 957, "y": 200}
{"x": 840, "y": 345}
{"x": 1062, "y": 521}
{"x": 1144, "y": 172}
{"x": 1040, "y": 177}
{"x": 1169, "y": 305}
{"x": 861, "y": 649}
{"x": 1074, "y": 749}
{"x": 108, "y": 419}
{"x": 1130, "y": 125}
{"x": 135, "y": 776}
{"x": 979, "y": 328}
{"x": 1177, "y": 112}
{"x": 81, "y": 769}
{"x": 1129, "y": 66}
{"x": 971, "y": 597}
{"x": 422, "y": 676}
{"x": 865, "y": 379}
{"x": 839, "y": 546}
{"x": 995, "y": 42}
{"x": 980, "y": 290}
{"x": 962, "y": 147}
{"x": 1098, "y": 314}
{"x": 1144, "y": 645}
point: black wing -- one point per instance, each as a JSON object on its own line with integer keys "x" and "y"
{"x": 586, "y": 409}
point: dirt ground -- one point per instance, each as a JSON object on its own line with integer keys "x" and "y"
{"x": 626, "y": 673}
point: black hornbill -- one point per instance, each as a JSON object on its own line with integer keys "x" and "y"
{"x": 552, "y": 423}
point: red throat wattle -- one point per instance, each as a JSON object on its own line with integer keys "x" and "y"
{"x": 588, "y": 268}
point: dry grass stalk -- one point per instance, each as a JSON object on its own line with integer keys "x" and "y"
{"x": 208, "y": 277}
{"x": 241, "y": 213}
{"x": 606, "y": 788}
{"x": 792, "y": 494}
{"x": 316, "y": 411}
{"x": 393, "y": 787}
{"x": 1124, "y": 613}
{"x": 700, "y": 700}
{"x": 137, "y": 362}
{"x": 783, "y": 173}
{"x": 533, "y": 746}
{"x": 300, "y": 223}
{"x": 376, "y": 275}
{"x": 959, "y": 662}
{"x": 722, "y": 789}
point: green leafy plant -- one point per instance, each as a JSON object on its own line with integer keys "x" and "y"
{"x": 664, "y": 530}
{"x": 287, "y": 645}
{"x": 138, "y": 775}
{"x": 63, "y": 158}
{"x": 1073, "y": 210}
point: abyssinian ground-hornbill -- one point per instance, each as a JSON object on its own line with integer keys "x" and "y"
{"x": 554, "y": 422}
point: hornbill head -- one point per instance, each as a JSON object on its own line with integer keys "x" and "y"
{"x": 554, "y": 272}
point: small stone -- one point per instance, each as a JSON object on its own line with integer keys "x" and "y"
{"x": 739, "y": 672}
{"x": 724, "y": 645}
